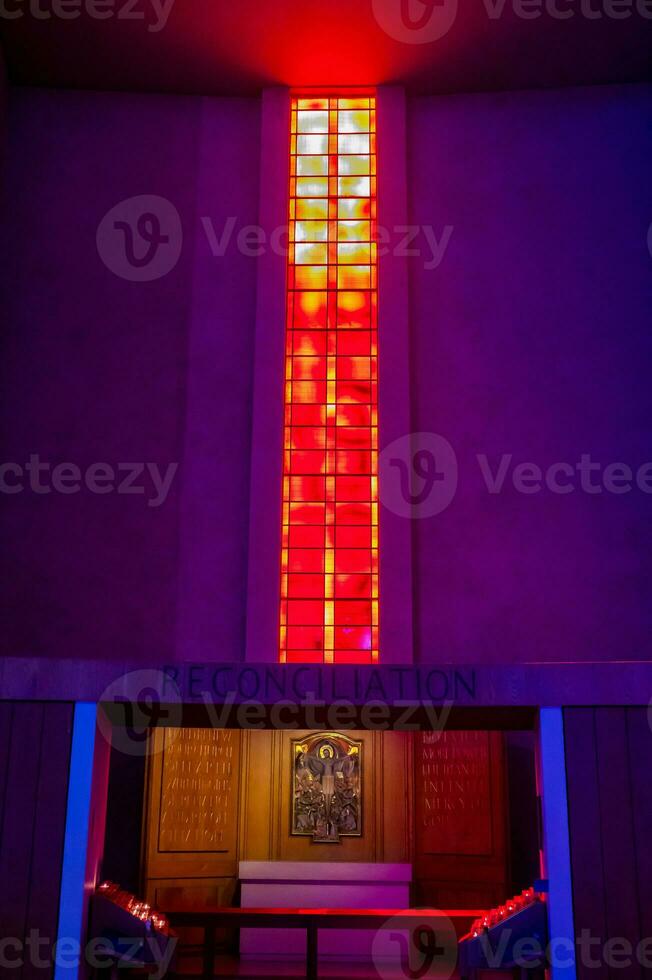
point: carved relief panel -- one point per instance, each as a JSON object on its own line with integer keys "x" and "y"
{"x": 327, "y": 787}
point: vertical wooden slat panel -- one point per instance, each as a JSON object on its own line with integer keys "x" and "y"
{"x": 49, "y": 828}
{"x": 34, "y": 757}
{"x": 585, "y": 831}
{"x": 18, "y": 824}
{"x": 639, "y": 736}
{"x": 617, "y": 833}
{"x": 6, "y": 722}
{"x": 6, "y": 716}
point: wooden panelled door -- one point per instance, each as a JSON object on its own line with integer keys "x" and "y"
{"x": 192, "y": 812}
{"x": 460, "y": 841}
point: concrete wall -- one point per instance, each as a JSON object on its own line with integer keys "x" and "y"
{"x": 532, "y": 338}
{"x": 95, "y": 369}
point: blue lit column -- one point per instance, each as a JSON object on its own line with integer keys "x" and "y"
{"x": 556, "y": 842}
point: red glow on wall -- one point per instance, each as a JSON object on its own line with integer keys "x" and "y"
{"x": 329, "y": 563}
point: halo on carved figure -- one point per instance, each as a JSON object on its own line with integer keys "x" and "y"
{"x": 326, "y": 787}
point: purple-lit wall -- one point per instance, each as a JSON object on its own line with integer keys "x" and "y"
{"x": 95, "y": 369}
{"x": 532, "y": 337}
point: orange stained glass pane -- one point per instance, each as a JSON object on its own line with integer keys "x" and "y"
{"x": 310, "y": 104}
{"x": 329, "y": 559}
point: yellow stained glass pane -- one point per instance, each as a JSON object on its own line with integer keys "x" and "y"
{"x": 359, "y": 103}
{"x": 313, "y": 166}
{"x": 353, "y": 231}
{"x": 353, "y": 121}
{"x": 350, "y": 253}
{"x": 307, "y": 209}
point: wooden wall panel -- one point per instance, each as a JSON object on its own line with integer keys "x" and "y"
{"x": 618, "y": 851}
{"x": 639, "y": 745}
{"x": 395, "y": 830}
{"x": 460, "y": 849}
{"x": 610, "y": 817}
{"x": 34, "y": 762}
{"x": 49, "y": 823}
{"x": 259, "y": 813}
{"x": 589, "y": 900}
{"x": 259, "y": 824}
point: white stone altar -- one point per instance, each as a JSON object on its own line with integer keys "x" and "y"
{"x": 313, "y": 885}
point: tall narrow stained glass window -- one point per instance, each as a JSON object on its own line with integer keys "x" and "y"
{"x": 329, "y": 562}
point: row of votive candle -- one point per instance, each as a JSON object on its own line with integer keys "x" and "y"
{"x": 527, "y": 897}
{"x": 135, "y": 906}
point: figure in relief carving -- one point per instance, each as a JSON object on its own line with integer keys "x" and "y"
{"x": 327, "y": 787}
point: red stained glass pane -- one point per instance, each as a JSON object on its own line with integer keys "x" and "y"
{"x": 353, "y": 514}
{"x": 310, "y": 343}
{"x": 305, "y": 586}
{"x": 307, "y": 488}
{"x": 302, "y": 415}
{"x": 353, "y": 488}
{"x": 353, "y": 438}
{"x": 352, "y": 461}
{"x": 306, "y": 536}
{"x": 352, "y": 586}
{"x": 353, "y": 415}
{"x": 353, "y": 560}
{"x": 306, "y": 368}
{"x": 307, "y": 514}
{"x": 305, "y": 637}
{"x": 354, "y": 368}
{"x": 306, "y": 613}
{"x": 309, "y": 392}
{"x": 356, "y": 342}
{"x": 309, "y": 560}
{"x": 329, "y": 561}
{"x": 307, "y": 437}
{"x": 353, "y": 537}
{"x": 351, "y": 612}
{"x": 354, "y": 391}
{"x": 352, "y": 638}
{"x": 307, "y": 462}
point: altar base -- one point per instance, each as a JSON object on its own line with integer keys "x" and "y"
{"x": 311, "y": 885}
